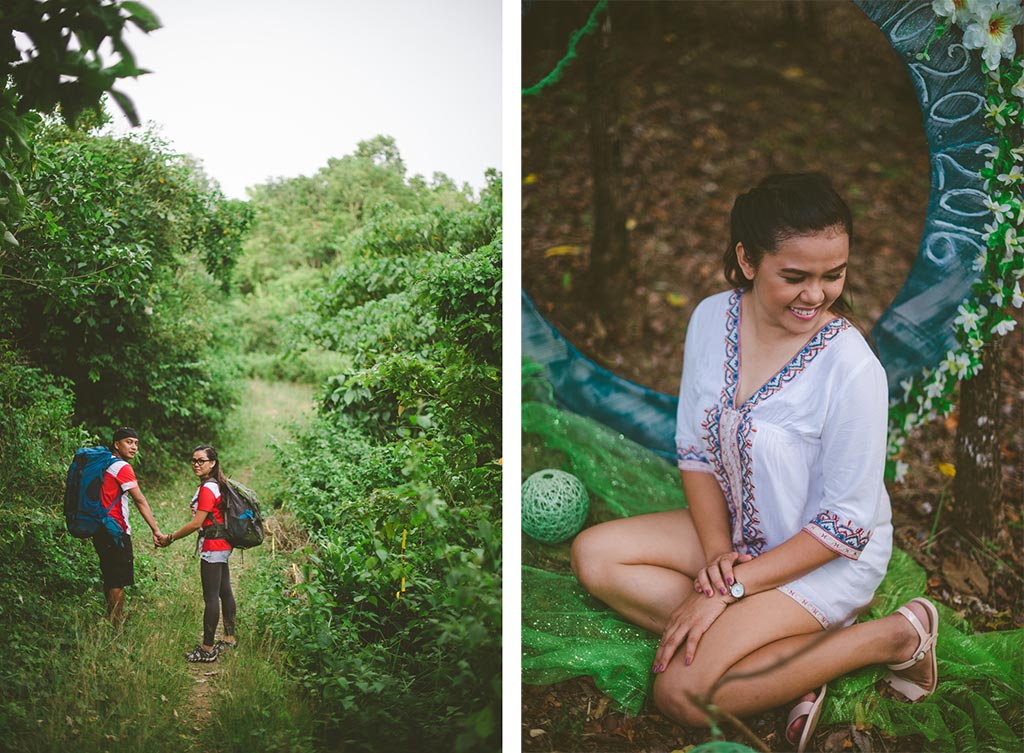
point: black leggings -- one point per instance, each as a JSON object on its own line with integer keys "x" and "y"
{"x": 216, "y": 579}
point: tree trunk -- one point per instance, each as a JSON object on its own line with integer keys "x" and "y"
{"x": 977, "y": 488}
{"x": 609, "y": 271}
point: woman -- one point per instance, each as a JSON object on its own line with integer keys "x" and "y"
{"x": 208, "y": 519}
{"x": 781, "y": 433}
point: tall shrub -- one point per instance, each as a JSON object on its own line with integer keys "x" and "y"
{"x": 117, "y": 281}
{"x": 398, "y": 482}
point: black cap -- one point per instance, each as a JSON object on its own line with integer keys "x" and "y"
{"x": 125, "y": 432}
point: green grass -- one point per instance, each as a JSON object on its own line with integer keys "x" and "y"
{"x": 267, "y": 412}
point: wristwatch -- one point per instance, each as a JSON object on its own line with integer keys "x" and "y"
{"x": 736, "y": 590}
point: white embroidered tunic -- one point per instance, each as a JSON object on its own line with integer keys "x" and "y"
{"x": 806, "y": 451}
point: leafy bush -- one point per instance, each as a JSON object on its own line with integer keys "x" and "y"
{"x": 39, "y": 573}
{"x": 116, "y": 284}
{"x": 395, "y": 618}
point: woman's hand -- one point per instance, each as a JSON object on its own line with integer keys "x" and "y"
{"x": 688, "y": 622}
{"x": 717, "y": 576}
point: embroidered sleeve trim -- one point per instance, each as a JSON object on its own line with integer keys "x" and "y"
{"x": 692, "y": 459}
{"x": 842, "y": 538}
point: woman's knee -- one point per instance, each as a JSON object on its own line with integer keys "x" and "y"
{"x": 588, "y": 557}
{"x": 674, "y": 699}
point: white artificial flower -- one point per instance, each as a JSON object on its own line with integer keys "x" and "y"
{"x": 901, "y": 471}
{"x": 1013, "y": 245}
{"x": 968, "y": 319}
{"x": 989, "y": 229}
{"x": 949, "y": 363}
{"x": 955, "y": 10}
{"x": 963, "y": 365}
{"x": 1018, "y": 151}
{"x": 935, "y": 388}
{"x": 1018, "y": 299}
{"x": 980, "y": 261}
{"x": 907, "y": 385}
{"x": 997, "y": 112}
{"x": 991, "y": 30}
{"x": 1004, "y": 326}
{"x": 1015, "y": 175}
{"x": 1017, "y": 89}
{"x": 998, "y": 298}
{"x": 1000, "y": 210}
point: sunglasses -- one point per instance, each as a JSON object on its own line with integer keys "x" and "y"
{"x": 200, "y": 461}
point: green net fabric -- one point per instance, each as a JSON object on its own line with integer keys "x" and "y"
{"x": 979, "y": 703}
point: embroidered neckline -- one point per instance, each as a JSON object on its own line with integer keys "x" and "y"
{"x": 791, "y": 370}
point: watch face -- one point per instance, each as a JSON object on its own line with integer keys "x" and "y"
{"x": 737, "y": 590}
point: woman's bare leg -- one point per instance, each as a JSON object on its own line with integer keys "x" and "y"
{"x": 642, "y": 567}
{"x": 755, "y": 633}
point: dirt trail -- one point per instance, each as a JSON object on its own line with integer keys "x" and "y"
{"x": 266, "y": 415}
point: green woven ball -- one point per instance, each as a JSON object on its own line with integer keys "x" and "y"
{"x": 555, "y": 505}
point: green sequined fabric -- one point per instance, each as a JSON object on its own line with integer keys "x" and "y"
{"x": 979, "y": 703}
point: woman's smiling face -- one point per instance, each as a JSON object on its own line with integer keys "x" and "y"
{"x": 795, "y": 285}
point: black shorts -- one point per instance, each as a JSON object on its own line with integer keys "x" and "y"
{"x": 116, "y": 563}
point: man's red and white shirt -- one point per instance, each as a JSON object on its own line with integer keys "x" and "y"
{"x": 118, "y": 479}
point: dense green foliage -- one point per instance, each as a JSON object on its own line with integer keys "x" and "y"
{"x": 117, "y": 282}
{"x": 302, "y": 230}
{"x": 36, "y": 435}
{"x": 398, "y": 483}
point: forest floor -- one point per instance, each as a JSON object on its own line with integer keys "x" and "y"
{"x": 709, "y": 100}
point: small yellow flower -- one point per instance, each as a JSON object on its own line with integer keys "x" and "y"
{"x": 947, "y": 469}
{"x": 529, "y": 179}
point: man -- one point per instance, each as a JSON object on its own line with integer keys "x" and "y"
{"x": 117, "y": 563}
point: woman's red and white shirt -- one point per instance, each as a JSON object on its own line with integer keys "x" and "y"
{"x": 207, "y": 499}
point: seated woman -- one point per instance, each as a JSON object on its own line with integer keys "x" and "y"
{"x": 781, "y": 435}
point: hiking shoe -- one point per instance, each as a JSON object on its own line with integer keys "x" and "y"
{"x": 200, "y": 654}
{"x": 222, "y": 647}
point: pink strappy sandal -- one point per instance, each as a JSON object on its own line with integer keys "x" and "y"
{"x": 925, "y": 647}
{"x": 810, "y": 709}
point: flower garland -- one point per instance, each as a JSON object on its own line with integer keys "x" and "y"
{"x": 988, "y": 26}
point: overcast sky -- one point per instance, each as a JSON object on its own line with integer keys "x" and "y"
{"x": 258, "y": 89}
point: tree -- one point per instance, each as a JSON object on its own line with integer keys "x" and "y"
{"x": 610, "y": 269}
{"x": 382, "y": 151}
{"x": 51, "y": 61}
{"x": 977, "y": 487}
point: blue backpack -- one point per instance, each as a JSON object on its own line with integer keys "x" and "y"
{"x": 83, "y": 508}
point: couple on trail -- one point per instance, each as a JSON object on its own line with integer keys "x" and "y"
{"x": 117, "y": 563}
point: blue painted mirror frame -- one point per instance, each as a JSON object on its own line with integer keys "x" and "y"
{"x": 917, "y": 329}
